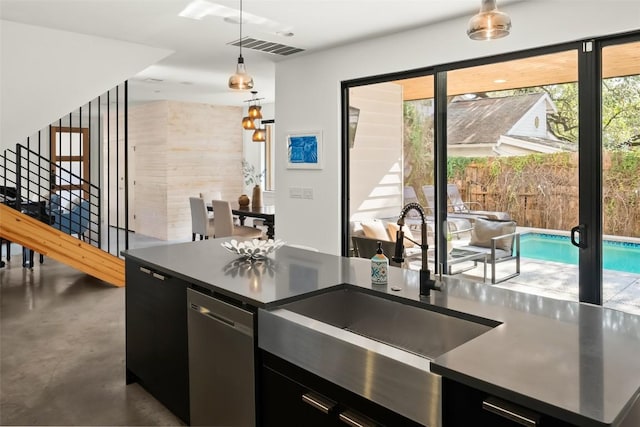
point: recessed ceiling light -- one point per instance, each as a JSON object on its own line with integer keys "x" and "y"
{"x": 198, "y": 9}
{"x": 499, "y": 81}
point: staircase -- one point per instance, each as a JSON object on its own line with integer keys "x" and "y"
{"x": 31, "y": 233}
{"x": 56, "y": 190}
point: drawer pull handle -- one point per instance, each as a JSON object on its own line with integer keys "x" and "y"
{"x": 518, "y": 415}
{"x": 158, "y": 276}
{"x": 321, "y": 403}
{"x": 145, "y": 270}
{"x": 355, "y": 420}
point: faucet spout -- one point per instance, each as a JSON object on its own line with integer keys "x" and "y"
{"x": 426, "y": 283}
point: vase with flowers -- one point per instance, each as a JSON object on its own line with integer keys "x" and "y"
{"x": 253, "y": 177}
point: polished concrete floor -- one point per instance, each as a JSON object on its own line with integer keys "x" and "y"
{"x": 62, "y": 352}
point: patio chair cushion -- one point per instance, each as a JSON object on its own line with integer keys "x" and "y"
{"x": 392, "y": 228}
{"x": 485, "y": 229}
{"x": 375, "y": 230}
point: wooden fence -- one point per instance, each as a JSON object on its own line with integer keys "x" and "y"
{"x": 541, "y": 190}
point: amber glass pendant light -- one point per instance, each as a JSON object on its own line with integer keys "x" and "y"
{"x": 241, "y": 80}
{"x": 248, "y": 123}
{"x": 489, "y": 23}
{"x": 259, "y": 135}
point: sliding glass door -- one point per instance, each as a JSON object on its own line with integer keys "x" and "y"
{"x": 548, "y": 139}
{"x": 391, "y": 156}
{"x": 513, "y": 154}
{"x": 620, "y": 83}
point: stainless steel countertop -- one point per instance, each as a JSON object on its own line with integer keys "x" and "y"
{"x": 574, "y": 361}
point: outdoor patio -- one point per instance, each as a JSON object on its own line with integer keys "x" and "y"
{"x": 621, "y": 290}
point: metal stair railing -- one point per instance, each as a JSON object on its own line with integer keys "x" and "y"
{"x": 26, "y": 186}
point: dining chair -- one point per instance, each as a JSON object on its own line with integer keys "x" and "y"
{"x": 208, "y": 197}
{"x": 224, "y": 222}
{"x": 201, "y": 224}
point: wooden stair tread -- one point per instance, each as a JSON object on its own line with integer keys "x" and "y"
{"x": 48, "y": 241}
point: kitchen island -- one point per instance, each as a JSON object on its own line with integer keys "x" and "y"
{"x": 569, "y": 363}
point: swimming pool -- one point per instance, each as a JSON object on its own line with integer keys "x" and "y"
{"x": 619, "y": 256}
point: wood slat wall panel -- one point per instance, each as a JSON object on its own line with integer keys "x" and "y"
{"x": 182, "y": 149}
{"x": 24, "y": 230}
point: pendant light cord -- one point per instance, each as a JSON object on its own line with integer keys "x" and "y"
{"x": 240, "y": 28}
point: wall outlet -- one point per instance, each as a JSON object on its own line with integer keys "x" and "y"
{"x": 307, "y": 193}
{"x": 295, "y": 193}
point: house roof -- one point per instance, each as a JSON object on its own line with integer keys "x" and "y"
{"x": 529, "y": 143}
{"x": 485, "y": 119}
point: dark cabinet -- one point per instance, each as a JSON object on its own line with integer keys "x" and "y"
{"x": 156, "y": 336}
{"x": 292, "y": 396}
{"x": 464, "y": 405}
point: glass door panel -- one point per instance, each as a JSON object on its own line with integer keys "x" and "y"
{"x": 69, "y": 163}
{"x": 512, "y": 154}
{"x": 390, "y": 150}
{"x": 621, "y": 176}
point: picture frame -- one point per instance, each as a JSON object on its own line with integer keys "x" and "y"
{"x": 304, "y": 150}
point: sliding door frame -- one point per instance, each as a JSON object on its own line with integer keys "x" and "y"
{"x": 590, "y": 146}
{"x": 590, "y": 172}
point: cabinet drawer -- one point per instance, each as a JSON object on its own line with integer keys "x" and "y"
{"x": 283, "y": 404}
{"x": 292, "y": 396}
{"x": 464, "y": 405}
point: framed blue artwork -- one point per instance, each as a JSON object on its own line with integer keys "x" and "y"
{"x": 304, "y": 150}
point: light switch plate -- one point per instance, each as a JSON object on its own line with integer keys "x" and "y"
{"x": 295, "y": 193}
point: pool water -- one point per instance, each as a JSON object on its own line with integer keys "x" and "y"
{"x": 619, "y": 256}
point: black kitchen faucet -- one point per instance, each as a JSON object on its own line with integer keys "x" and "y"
{"x": 426, "y": 283}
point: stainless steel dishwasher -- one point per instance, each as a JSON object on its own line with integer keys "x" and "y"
{"x": 221, "y": 362}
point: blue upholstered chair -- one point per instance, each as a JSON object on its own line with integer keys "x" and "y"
{"x": 75, "y": 221}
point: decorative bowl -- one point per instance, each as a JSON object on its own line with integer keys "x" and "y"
{"x": 253, "y": 249}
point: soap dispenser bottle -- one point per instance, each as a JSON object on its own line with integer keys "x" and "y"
{"x": 379, "y": 267}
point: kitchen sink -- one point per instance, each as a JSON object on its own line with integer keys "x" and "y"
{"x": 418, "y": 330}
{"x": 375, "y": 345}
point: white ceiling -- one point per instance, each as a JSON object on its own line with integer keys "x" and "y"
{"x": 203, "y": 60}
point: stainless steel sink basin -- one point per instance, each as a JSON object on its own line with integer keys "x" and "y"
{"x": 415, "y": 329}
{"x": 371, "y": 344}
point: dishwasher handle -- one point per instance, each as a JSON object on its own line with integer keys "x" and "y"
{"x": 245, "y": 329}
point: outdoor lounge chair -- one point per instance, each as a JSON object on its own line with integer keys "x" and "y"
{"x": 366, "y": 234}
{"x": 365, "y": 247}
{"x": 458, "y": 206}
{"x": 499, "y": 240}
{"x": 456, "y": 223}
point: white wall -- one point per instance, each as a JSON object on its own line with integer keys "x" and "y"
{"x": 45, "y": 74}
{"x": 375, "y": 160}
{"x": 308, "y": 92}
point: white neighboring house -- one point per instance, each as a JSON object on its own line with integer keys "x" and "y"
{"x": 506, "y": 126}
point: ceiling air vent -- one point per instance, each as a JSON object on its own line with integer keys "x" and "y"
{"x": 266, "y": 46}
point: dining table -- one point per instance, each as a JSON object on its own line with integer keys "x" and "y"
{"x": 266, "y": 213}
